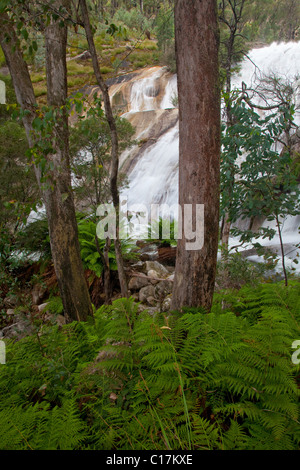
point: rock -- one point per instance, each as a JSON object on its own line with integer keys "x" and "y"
{"x": 146, "y": 292}
{"x": 10, "y": 311}
{"x": 42, "y": 307}
{"x": 113, "y": 397}
{"x": 38, "y": 294}
{"x": 55, "y": 319}
{"x": 151, "y": 301}
{"x": 148, "y": 310}
{"x": 166, "y": 305}
{"x": 152, "y": 311}
{"x": 137, "y": 282}
{"x": 141, "y": 308}
{"x": 158, "y": 268}
{"x": 163, "y": 288}
{"x": 18, "y": 330}
{"x": 83, "y": 56}
{"x": 10, "y": 301}
{"x": 153, "y": 274}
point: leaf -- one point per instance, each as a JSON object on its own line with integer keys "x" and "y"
{"x": 64, "y": 197}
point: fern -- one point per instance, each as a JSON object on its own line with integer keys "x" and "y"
{"x": 223, "y": 380}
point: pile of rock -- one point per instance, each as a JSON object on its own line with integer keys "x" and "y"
{"x": 20, "y": 320}
{"x": 151, "y": 284}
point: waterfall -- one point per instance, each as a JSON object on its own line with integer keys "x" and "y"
{"x": 154, "y": 178}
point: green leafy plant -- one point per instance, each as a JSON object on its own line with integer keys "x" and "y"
{"x": 92, "y": 248}
{"x": 165, "y": 230}
{"x": 218, "y": 381}
{"x": 264, "y": 182}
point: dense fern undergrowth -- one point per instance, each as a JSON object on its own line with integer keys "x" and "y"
{"x": 128, "y": 380}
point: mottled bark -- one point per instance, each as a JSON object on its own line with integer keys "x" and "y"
{"x": 58, "y": 200}
{"x": 197, "y": 43}
{"x": 114, "y": 144}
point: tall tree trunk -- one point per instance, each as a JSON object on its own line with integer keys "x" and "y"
{"x": 197, "y": 44}
{"x": 114, "y": 144}
{"x": 58, "y": 200}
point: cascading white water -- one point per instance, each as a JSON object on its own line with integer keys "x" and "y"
{"x": 170, "y": 94}
{"x": 144, "y": 92}
{"x": 157, "y": 169}
{"x": 281, "y": 59}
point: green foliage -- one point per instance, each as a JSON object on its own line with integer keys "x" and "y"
{"x": 256, "y": 179}
{"x": 33, "y": 238}
{"x": 18, "y": 188}
{"x": 55, "y": 305}
{"x": 223, "y": 380}
{"x": 163, "y": 231}
{"x": 90, "y": 148}
{"x": 165, "y": 34}
{"x": 92, "y": 248}
{"x": 234, "y": 270}
{"x": 132, "y": 18}
{"x": 164, "y": 27}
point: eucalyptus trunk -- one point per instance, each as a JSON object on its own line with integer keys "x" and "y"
{"x": 56, "y": 190}
{"x": 197, "y": 45}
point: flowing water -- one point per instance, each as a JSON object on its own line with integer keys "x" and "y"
{"x": 154, "y": 178}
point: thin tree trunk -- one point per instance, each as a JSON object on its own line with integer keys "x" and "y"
{"x": 197, "y": 44}
{"x": 106, "y": 268}
{"x": 282, "y": 251}
{"x": 58, "y": 200}
{"x": 114, "y": 142}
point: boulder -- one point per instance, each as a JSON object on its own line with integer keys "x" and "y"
{"x": 151, "y": 301}
{"x": 18, "y": 330}
{"x": 158, "y": 268}
{"x": 38, "y": 294}
{"x": 146, "y": 292}
{"x": 42, "y": 307}
{"x": 163, "y": 288}
{"x": 10, "y": 301}
{"x": 54, "y": 319}
{"x": 83, "y": 56}
{"x": 10, "y": 312}
{"x": 137, "y": 282}
{"x": 152, "y": 274}
{"x": 166, "y": 305}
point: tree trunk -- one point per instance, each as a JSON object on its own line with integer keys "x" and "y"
{"x": 58, "y": 200}
{"x": 114, "y": 145}
{"x": 197, "y": 44}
